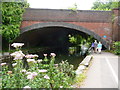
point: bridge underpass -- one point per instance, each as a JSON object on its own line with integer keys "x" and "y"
{"x": 52, "y": 36}
{"x": 48, "y": 36}
{"x": 30, "y": 33}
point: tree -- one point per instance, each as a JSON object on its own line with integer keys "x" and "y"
{"x": 11, "y": 19}
{"x": 105, "y": 5}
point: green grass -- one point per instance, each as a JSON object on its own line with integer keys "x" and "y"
{"x": 111, "y": 51}
{"x": 78, "y": 80}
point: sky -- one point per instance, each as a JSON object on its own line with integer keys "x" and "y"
{"x": 61, "y": 4}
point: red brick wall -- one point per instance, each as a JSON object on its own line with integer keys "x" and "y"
{"x": 96, "y": 21}
{"x": 29, "y": 23}
{"x": 100, "y": 28}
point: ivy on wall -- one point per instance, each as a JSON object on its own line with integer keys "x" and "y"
{"x": 11, "y": 19}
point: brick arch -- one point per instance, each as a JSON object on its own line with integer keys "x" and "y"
{"x": 66, "y": 25}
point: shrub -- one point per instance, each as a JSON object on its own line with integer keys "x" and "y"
{"x": 116, "y": 47}
{"x": 39, "y": 74}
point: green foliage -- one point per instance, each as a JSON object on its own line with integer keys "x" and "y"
{"x": 105, "y": 5}
{"x": 11, "y": 19}
{"x": 115, "y": 5}
{"x": 65, "y": 67}
{"x": 72, "y": 39}
{"x": 78, "y": 40}
{"x": 80, "y": 78}
{"x": 73, "y": 8}
{"x": 116, "y": 47}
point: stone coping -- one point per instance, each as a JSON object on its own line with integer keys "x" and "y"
{"x": 84, "y": 64}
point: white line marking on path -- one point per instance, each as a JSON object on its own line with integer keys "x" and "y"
{"x": 115, "y": 76}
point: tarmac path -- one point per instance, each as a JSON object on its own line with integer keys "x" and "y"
{"x": 103, "y": 72}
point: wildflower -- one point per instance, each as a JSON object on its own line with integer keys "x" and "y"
{"x": 31, "y": 56}
{"x": 45, "y": 55}
{"x": 17, "y": 55}
{"x": 17, "y": 45}
{"x": 31, "y": 60}
{"x": 14, "y": 64}
{"x": 28, "y": 73}
{"x": 52, "y": 54}
{"x": 40, "y": 60}
{"x": 9, "y": 72}
{"x": 46, "y": 77}
{"x": 56, "y": 65}
{"x": 34, "y": 74}
{"x": 61, "y": 86}
{"x": 30, "y": 76}
{"x": 2, "y": 64}
{"x": 62, "y": 62}
{"x": 27, "y": 87}
{"x": 42, "y": 70}
{"x": 23, "y": 70}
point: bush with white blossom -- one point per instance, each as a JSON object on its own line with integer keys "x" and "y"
{"x": 39, "y": 73}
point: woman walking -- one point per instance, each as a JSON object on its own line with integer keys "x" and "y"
{"x": 99, "y": 47}
{"x": 95, "y": 46}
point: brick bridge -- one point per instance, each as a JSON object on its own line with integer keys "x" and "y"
{"x": 95, "y": 23}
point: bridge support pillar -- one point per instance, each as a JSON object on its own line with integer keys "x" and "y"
{"x": 116, "y": 25}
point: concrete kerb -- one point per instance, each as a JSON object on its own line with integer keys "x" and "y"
{"x": 84, "y": 64}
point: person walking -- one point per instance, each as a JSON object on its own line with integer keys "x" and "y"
{"x": 99, "y": 47}
{"x": 92, "y": 47}
{"x": 95, "y": 46}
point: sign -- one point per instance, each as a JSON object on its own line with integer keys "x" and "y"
{"x": 104, "y": 36}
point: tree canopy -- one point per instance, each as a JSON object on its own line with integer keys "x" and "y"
{"x": 105, "y": 5}
{"x": 11, "y": 19}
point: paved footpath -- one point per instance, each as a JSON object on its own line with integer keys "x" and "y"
{"x": 103, "y": 72}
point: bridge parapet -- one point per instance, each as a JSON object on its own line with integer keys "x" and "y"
{"x": 66, "y": 15}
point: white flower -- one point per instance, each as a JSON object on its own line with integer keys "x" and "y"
{"x": 42, "y": 70}
{"x": 23, "y": 70}
{"x": 46, "y": 77}
{"x": 45, "y": 55}
{"x": 53, "y": 54}
{"x": 31, "y": 60}
{"x": 17, "y": 45}
{"x": 31, "y": 56}
{"x": 40, "y": 60}
{"x": 62, "y": 62}
{"x": 2, "y": 64}
{"x": 35, "y": 55}
{"x": 28, "y": 73}
{"x": 34, "y": 74}
{"x": 26, "y": 87}
{"x": 17, "y": 55}
{"x": 61, "y": 86}
{"x": 30, "y": 77}
{"x": 14, "y": 64}
{"x": 56, "y": 65}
